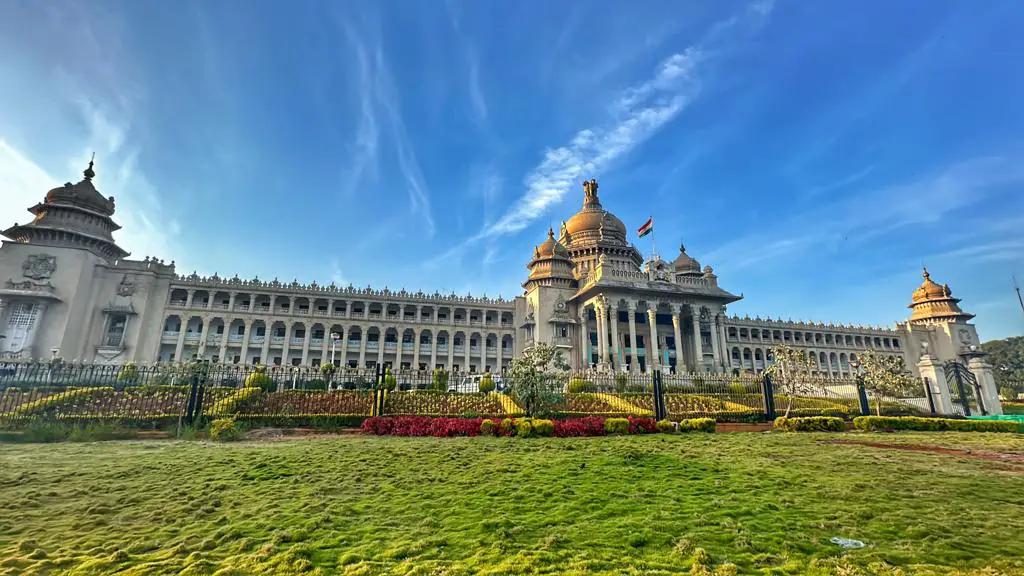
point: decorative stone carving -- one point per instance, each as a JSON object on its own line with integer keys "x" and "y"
{"x": 126, "y": 288}
{"x": 39, "y": 266}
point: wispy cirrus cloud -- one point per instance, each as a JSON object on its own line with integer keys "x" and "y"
{"x": 377, "y": 94}
{"x": 635, "y": 115}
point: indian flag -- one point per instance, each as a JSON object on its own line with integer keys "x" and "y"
{"x": 647, "y": 228}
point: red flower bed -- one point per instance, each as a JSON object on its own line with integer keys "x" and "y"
{"x": 588, "y": 426}
{"x": 642, "y": 425}
{"x": 421, "y": 426}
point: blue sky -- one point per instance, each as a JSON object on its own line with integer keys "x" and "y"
{"x": 814, "y": 153}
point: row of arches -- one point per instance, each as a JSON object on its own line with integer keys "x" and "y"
{"x": 259, "y": 341}
{"x": 757, "y": 359}
{"x": 337, "y": 308}
{"x": 803, "y": 338}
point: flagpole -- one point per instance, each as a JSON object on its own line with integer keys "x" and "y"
{"x": 654, "y": 245}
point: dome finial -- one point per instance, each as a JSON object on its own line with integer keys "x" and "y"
{"x": 88, "y": 172}
{"x": 590, "y": 192}
{"x": 551, "y": 232}
{"x": 925, "y": 273}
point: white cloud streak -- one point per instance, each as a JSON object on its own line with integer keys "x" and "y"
{"x": 636, "y": 114}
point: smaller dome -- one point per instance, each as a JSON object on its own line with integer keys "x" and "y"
{"x": 684, "y": 263}
{"x": 930, "y": 290}
{"x": 84, "y": 195}
{"x": 550, "y": 248}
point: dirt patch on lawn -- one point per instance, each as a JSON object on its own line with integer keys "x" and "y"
{"x": 1015, "y": 461}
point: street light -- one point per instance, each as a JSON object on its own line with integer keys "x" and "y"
{"x": 334, "y": 341}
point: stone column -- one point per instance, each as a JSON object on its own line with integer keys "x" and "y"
{"x": 934, "y": 377}
{"x": 451, "y": 344}
{"x": 380, "y": 344}
{"x": 179, "y": 348}
{"x": 698, "y": 343}
{"x": 416, "y": 344}
{"x": 602, "y": 335}
{"x": 716, "y": 351}
{"x": 325, "y": 349}
{"x": 982, "y": 371}
{"x": 501, "y": 355}
{"x": 268, "y": 328}
{"x": 188, "y": 298}
{"x": 613, "y": 318}
{"x": 364, "y": 333}
{"x": 584, "y": 356}
{"x": 305, "y": 344}
{"x": 341, "y": 355}
{"x": 653, "y": 356}
{"x": 634, "y": 359}
{"x": 246, "y": 334}
{"x": 223, "y": 341}
{"x": 433, "y": 347}
{"x": 676, "y": 321}
{"x": 465, "y": 345}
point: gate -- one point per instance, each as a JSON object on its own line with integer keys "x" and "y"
{"x": 964, "y": 390}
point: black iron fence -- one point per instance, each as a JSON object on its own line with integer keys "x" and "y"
{"x": 283, "y": 395}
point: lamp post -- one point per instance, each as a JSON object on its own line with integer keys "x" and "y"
{"x": 334, "y": 342}
{"x": 862, "y": 394}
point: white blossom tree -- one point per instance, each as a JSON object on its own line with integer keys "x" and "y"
{"x": 791, "y": 373}
{"x": 885, "y": 375}
{"x": 535, "y": 378}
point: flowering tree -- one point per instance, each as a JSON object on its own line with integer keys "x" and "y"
{"x": 535, "y": 378}
{"x": 885, "y": 375}
{"x": 790, "y": 372}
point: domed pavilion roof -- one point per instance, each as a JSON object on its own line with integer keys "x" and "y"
{"x": 593, "y": 221}
{"x": 933, "y": 301}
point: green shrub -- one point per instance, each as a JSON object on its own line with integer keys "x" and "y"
{"x": 635, "y": 389}
{"x": 487, "y": 383}
{"x": 621, "y": 380}
{"x": 616, "y": 426}
{"x": 919, "y": 424}
{"x": 128, "y": 374}
{"x": 224, "y": 430}
{"x": 389, "y": 382}
{"x": 508, "y": 426}
{"x": 99, "y": 432}
{"x": 737, "y": 388}
{"x": 315, "y": 385}
{"x": 439, "y": 379}
{"x": 524, "y": 427}
{"x": 577, "y": 385}
{"x": 697, "y": 425}
{"x": 542, "y": 428}
{"x": 810, "y": 424}
{"x": 488, "y": 428}
{"x": 666, "y": 427}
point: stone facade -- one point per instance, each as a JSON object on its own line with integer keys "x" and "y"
{"x": 69, "y": 291}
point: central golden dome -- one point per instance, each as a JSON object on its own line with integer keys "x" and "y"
{"x": 593, "y": 220}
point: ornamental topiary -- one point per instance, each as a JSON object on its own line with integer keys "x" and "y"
{"x": 524, "y": 427}
{"x": 542, "y": 428}
{"x": 487, "y": 383}
{"x": 666, "y": 427}
{"x": 621, "y": 381}
{"x": 258, "y": 378}
{"x": 128, "y": 374}
{"x": 390, "y": 382}
{"x": 224, "y": 430}
{"x": 697, "y": 425}
{"x": 488, "y": 428}
{"x": 810, "y": 424}
{"x": 616, "y": 425}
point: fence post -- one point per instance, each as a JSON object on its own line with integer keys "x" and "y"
{"x": 768, "y": 392}
{"x": 659, "y": 400}
{"x": 928, "y": 392}
{"x": 862, "y": 396}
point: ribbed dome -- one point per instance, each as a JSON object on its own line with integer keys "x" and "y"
{"x": 685, "y": 263}
{"x": 930, "y": 290}
{"x": 594, "y": 220}
{"x": 934, "y": 302}
{"x": 83, "y": 195}
{"x": 550, "y": 248}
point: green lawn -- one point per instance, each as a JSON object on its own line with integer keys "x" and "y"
{"x": 730, "y": 503}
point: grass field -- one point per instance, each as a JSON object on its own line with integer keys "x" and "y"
{"x": 694, "y": 504}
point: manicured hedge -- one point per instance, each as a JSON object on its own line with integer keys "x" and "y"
{"x": 810, "y": 424}
{"x": 525, "y": 427}
{"x": 914, "y": 423}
